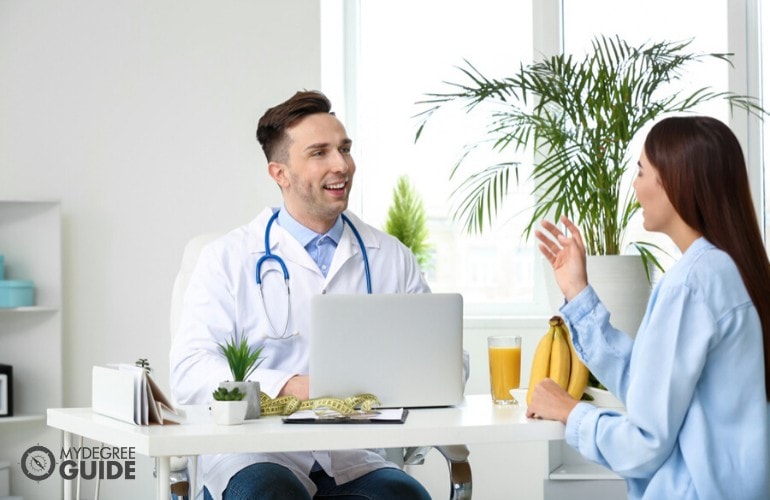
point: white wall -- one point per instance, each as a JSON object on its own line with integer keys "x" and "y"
{"x": 140, "y": 116}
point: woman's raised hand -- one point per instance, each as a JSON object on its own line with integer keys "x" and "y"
{"x": 567, "y": 255}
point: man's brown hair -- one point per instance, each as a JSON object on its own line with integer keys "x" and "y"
{"x": 271, "y": 130}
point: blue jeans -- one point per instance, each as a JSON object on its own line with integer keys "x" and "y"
{"x": 265, "y": 481}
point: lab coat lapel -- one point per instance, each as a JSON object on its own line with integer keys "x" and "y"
{"x": 348, "y": 247}
{"x": 281, "y": 243}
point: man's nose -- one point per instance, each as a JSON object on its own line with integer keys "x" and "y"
{"x": 342, "y": 162}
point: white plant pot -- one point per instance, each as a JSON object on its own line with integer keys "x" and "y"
{"x": 252, "y": 390}
{"x": 228, "y": 412}
{"x": 621, "y": 284}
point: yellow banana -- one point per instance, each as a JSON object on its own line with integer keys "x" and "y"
{"x": 541, "y": 362}
{"x": 578, "y": 373}
{"x": 560, "y": 355}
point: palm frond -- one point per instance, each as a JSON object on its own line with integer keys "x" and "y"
{"x": 579, "y": 116}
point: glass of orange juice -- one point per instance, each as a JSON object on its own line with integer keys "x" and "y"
{"x": 504, "y": 367}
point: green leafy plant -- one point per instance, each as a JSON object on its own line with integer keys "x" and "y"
{"x": 579, "y": 116}
{"x": 222, "y": 394}
{"x": 241, "y": 358}
{"x": 406, "y": 220}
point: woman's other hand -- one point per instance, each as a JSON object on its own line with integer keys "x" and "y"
{"x": 551, "y": 402}
{"x": 567, "y": 255}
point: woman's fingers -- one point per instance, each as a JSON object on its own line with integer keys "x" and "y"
{"x": 574, "y": 231}
{"x": 548, "y": 247}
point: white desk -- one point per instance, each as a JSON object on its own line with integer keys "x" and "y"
{"x": 476, "y": 421}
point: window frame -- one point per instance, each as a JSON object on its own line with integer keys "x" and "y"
{"x": 339, "y": 81}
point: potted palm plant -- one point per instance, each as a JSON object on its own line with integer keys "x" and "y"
{"x": 579, "y": 117}
{"x": 243, "y": 359}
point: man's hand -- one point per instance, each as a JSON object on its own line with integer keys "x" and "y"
{"x": 297, "y": 386}
{"x": 551, "y": 402}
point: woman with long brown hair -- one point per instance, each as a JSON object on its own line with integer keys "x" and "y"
{"x": 695, "y": 379}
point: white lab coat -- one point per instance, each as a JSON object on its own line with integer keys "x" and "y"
{"x": 222, "y": 297}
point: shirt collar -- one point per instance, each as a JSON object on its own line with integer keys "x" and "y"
{"x": 303, "y": 234}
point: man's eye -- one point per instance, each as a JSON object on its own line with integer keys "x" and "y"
{"x": 345, "y": 150}
{"x": 318, "y": 153}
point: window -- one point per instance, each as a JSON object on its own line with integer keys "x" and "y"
{"x": 405, "y": 50}
{"x": 638, "y": 22}
{"x": 395, "y": 52}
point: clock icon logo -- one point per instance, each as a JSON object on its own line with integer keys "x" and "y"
{"x": 38, "y": 463}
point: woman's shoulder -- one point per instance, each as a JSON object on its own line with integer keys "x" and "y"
{"x": 707, "y": 270}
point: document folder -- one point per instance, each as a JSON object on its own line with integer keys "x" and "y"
{"x": 128, "y": 393}
{"x": 383, "y": 416}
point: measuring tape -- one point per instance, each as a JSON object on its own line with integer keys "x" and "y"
{"x": 286, "y": 405}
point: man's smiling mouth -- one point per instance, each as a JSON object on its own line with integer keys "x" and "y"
{"x": 338, "y": 185}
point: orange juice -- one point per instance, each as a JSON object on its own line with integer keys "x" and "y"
{"x": 504, "y": 372}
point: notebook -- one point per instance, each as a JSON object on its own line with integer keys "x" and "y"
{"x": 406, "y": 349}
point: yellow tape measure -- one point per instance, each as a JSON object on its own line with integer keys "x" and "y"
{"x": 286, "y": 405}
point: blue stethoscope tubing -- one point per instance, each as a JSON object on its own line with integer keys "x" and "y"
{"x": 271, "y": 256}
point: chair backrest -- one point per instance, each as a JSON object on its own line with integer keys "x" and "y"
{"x": 189, "y": 258}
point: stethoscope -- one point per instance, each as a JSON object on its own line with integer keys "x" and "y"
{"x": 271, "y": 256}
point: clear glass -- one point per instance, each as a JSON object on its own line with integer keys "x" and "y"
{"x": 504, "y": 368}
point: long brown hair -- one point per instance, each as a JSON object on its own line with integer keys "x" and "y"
{"x": 703, "y": 171}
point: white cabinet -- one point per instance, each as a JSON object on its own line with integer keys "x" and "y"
{"x": 573, "y": 477}
{"x": 31, "y": 337}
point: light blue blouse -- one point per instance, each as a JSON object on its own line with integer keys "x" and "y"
{"x": 692, "y": 382}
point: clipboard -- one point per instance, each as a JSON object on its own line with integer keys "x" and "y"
{"x": 128, "y": 393}
{"x": 384, "y": 416}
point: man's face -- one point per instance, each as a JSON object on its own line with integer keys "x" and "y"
{"x": 317, "y": 175}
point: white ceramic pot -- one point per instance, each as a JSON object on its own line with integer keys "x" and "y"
{"x": 252, "y": 390}
{"x": 228, "y": 412}
{"x": 621, "y": 284}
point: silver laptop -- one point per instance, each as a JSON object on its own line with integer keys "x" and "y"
{"x": 406, "y": 349}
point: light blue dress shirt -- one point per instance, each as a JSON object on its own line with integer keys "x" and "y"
{"x": 692, "y": 383}
{"x": 321, "y": 247}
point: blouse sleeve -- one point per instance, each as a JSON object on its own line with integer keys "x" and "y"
{"x": 656, "y": 382}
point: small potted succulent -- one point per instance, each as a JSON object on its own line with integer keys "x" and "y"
{"x": 243, "y": 359}
{"x": 228, "y": 406}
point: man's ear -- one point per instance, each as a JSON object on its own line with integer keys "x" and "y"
{"x": 278, "y": 172}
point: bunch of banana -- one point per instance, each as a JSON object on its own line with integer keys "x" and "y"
{"x": 555, "y": 358}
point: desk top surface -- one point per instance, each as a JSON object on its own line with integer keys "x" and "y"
{"x": 476, "y": 420}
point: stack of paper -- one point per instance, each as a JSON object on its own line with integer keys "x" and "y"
{"x": 128, "y": 393}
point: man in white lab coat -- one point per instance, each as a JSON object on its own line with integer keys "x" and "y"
{"x": 308, "y": 154}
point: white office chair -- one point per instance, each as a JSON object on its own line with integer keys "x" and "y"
{"x": 455, "y": 455}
